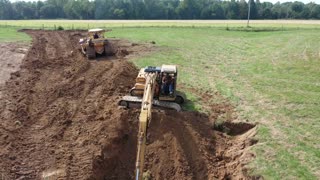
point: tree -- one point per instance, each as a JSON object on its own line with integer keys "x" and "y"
{"x": 315, "y": 12}
{"x": 28, "y": 11}
{"x": 156, "y": 9}
{"x": 119, "y": 14}
{"x": 170, "y": 12}
{"x": 286, "y": 11}
{"x": 276, "y": 11}
{"x": 101, "y": 10}
{"x": 296, "y": 9}
{"x": 6, "y": 10}
{"x": 259, "y": 10}
{"x": 232, "y": 10}
{"x": 139, "y": 9}
{"x": 265, "y": 11}
{"x": 253, "y": 10}
{"x": 73, "y": 10}
{"x": 217, "y": 11}
{"x": 58, "y": 5}
{"x": 38, "y": 5}
{"x": 243, "y": 9}
{"x": 305, "y": 14}
{"x": 189, "y": 9}
{"x": 48, "y": 11}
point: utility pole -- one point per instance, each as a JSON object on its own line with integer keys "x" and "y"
{"x": 249, "y": 2}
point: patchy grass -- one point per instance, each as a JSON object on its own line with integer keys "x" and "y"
{"x": 272, "y": 77}
{"x": 11, "y": 35}
{"x": 256, "y": 29}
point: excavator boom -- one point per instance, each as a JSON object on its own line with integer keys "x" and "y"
{"x": 146, "y": 93}
{"x": 144, "y": 120}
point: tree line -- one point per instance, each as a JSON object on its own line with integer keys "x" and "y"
{"x": 156, "y": 9}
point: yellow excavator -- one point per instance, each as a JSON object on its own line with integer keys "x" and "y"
{"x": 152, "y": 89}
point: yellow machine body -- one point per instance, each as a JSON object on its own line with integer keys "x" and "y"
{"x": 91, "y": 45}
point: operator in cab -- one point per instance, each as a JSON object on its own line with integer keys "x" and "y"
{"x": 167, "y": 84}
{"x": 95, "y": 36}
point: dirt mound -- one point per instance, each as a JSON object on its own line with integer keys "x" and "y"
{"x": 59, "y": 119}
{"x": 183, "y": 145}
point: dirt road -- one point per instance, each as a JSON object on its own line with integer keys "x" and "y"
{"x": 60, "y": 120}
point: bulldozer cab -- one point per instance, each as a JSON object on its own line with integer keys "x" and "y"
{"x": 96, "y": 33}
{"x": 95, "y": 44}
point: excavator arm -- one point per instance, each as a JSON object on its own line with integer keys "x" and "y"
{"x": 145, "y": 86}
{"x": 144, "y": 120}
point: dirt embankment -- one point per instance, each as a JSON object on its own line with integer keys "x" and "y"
{"x": 60, "y": 120}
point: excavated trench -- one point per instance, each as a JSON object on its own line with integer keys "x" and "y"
{"x": 60, "y": 119}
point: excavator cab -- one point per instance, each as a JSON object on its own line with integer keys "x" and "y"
{"x": 165, "y": 94}
{"x": 162, "y": 99}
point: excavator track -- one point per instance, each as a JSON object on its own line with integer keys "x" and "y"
{"x": 132, "y": 101}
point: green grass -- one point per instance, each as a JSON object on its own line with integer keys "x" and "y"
{"x": 11, "y": 35}
{"x": 272, "y": 78}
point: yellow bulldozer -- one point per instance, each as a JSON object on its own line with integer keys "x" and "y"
{"x": 95, "y": 44}
{"x": 155, "y": 86}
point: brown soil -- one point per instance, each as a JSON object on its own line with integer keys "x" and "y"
{"x": 60, "y": 120}
{"x": 10, "y": 59}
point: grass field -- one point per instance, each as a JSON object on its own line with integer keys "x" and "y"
{"x": 11, "y": 35}
{"x": 272, "y": 78}
{"x": 87, "y": 24}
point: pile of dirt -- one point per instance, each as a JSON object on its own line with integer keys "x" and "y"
{"x": 60, "y": 119}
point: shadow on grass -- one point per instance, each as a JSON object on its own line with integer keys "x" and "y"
{"x": 256, "y": 29}
{"x": 188, "y": 104}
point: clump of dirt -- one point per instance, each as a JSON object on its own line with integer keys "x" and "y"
{"x": 60, "y": 119}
